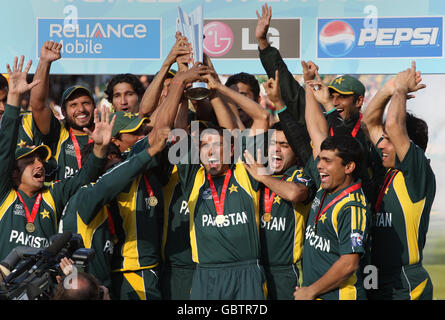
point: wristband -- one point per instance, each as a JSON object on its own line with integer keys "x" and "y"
{"x": 330, "y": 111}
{"x": 281, "y": 110}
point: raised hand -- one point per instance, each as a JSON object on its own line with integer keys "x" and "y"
{"x": 103, "y": 127}
{"x": 181, "y": 52}
{"x": 17, "y": 81}
{"x": 309, "y": 70}
{"x": 272, "y": 87}
{"x": 319, "y": 89}
{"x": 196, "y": 73}
{"x": 409, "y": 80}
{"x": 159, "y": 141}
{"x": 263, "y": 24}
{"x": 50, "y": 51}
{"x": 254, "y": 167}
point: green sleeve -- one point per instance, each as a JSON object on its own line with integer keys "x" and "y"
{"x": 63, "y": 190}
{"x": 419, "y": 177}
{"x": 292, "y": 93}
{"x": 8, "y": 143}
{"x": 352, "y": 230}
{"x": 311, "y": 177}
{"x": 92, "y": 197}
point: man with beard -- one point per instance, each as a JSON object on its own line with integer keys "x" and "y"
{"x": 66, "y": 139}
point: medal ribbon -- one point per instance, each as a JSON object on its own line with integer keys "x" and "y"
{"x": 268, "y": 200}
{"x": 77, "y": 148}
{"x": 148, "y": 186}
{"x": 30, "y": 217}
{"x": 219, "y": 203}
{"x": 388, "y": 179}
{"x": 356, "y": 127}
{"x": 111, "y": 227}
{"x": 335, "y": 200}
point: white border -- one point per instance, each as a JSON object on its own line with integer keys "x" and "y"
{"x": 378, "y": 58}
{"x": 105, "y": 59}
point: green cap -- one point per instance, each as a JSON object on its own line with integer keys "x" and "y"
{"x": 347, "y": 85}
{"x": 126, "y": 122}
{"x": 68, "y": 92}
{"x": 23, "y": 151}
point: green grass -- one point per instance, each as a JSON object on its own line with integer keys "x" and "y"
{"x": 437, "y": 274}
{"x": 434, "y": 255}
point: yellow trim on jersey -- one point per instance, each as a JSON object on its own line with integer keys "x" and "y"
{"x": 9, "y": 200}
{"x": 27, "y": 125}
{"x": 347, "y": 290}
{"x": 64, "y": 135}
{"x": 301, "y": 212}
{"x": 127, "y": 209}
{"x": 336, "y": 211}
{"x": 415, "y": 294}
{"x": 137, "y": 283}
{"x": 242, "y": 177}
{"x": 412, "y": 213}
{"x": 168, "y": 192}
{"x": 49, "y": 200}
{"x": 193, "y": 199}
{"x": 87, "y": 230}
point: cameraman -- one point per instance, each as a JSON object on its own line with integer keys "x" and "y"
{"x": 83, "y": 286}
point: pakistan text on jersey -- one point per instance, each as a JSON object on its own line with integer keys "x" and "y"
{"x": 24, "y": 239}
{"x": 231, "y": 219}
{"x": 317, "y": 241}
{"x": 275, "y": 224}
{"x": 383, "y": 219}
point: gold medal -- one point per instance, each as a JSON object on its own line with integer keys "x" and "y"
{"x": 267, "y": 216}
{"x": 220, "y": 219}
{"x": 152, "y": 201}
{"x": 30, "y": 227}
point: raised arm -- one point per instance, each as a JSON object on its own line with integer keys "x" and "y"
{"x": 316, "y": 92}
{"x": 224, "y": 114}
{"x": 292, "y": 92}
{"x": 10, "y": 120}
{"x": 150, "y": 99}
{"x": 373, "y": 115}
{"x": 170, "y": 105}
{"x": 395, "y": 126}
{"x": 254, "y": 110}
{"x": 41, "y": 113}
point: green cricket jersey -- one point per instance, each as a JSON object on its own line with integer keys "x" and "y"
{"x": 282, "y": 236}
{"x": 235, "y": 240}
{"x": 87, "y": 212}
{"x": 12, "y": 213}
{"x": 64, "y": 159}
{"x": 341, "y": 229}
{"x": 401, "y": 223}
{"x": 138, "y": 224}
{"x": 176, "y": 249}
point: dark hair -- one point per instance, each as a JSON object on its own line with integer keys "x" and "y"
{"x": 417, "y": 130}
{"x": 277, "y": 126}
{"x": 3, "y": 82}
{"x": 133, "y": 80}
{"x": 88, "y": 289}
{"x": 245, "y": 78}
{"x": 347, "y": 148}
{"x": 79, "y": 93}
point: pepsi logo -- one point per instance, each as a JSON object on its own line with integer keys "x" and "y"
{"x": 337, "y": 38}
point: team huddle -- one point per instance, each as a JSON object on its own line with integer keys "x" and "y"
{"x": 218, "y": 198}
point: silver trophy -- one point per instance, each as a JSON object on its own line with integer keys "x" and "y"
{"x": 191, "y": 26}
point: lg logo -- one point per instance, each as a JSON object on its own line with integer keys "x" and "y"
{"x": 235, "y": 38}
{"x": 218, "y": 39}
